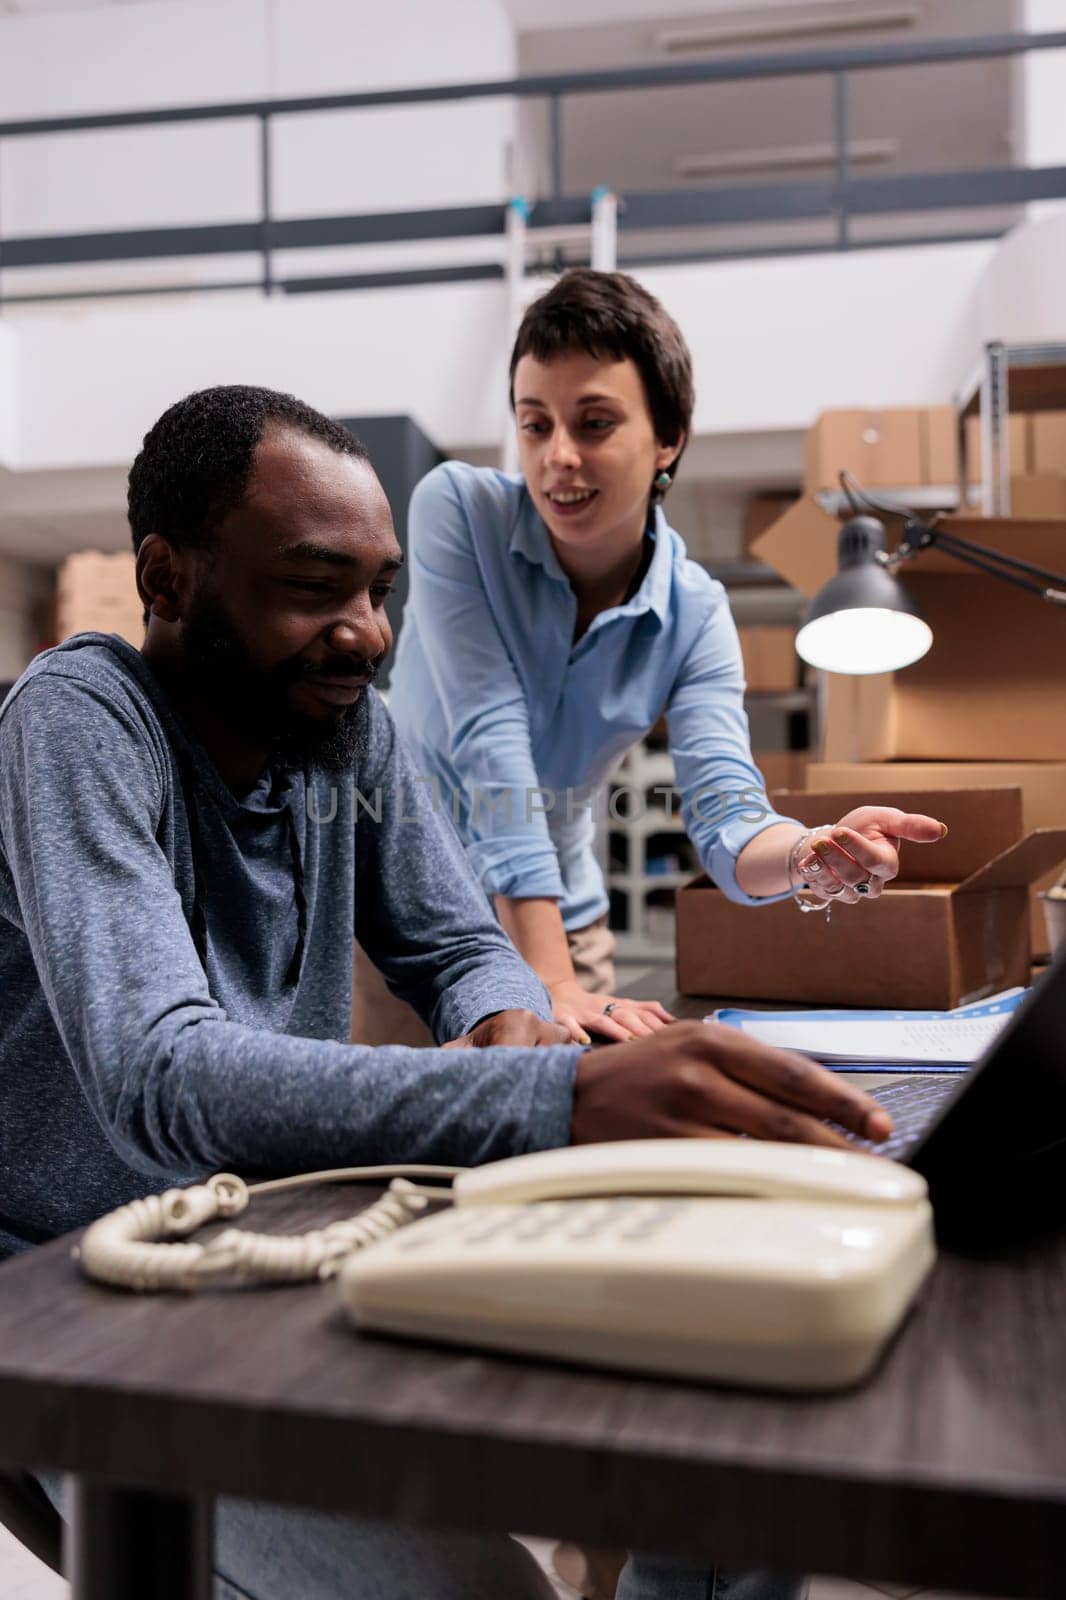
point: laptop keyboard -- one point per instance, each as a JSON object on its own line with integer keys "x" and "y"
{"x": 912, "y": 1105}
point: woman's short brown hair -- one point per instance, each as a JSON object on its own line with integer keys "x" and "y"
{"x": 611, "y": 316}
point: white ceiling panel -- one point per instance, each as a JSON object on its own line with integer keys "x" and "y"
{"x": 37, "y": 8}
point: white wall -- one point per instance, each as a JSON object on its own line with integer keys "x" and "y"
{"x": 392, "y": 158}
{"x": 1021, "y": 296}
{"x": 9, "y": 444}
{"x": 1044, "y": 87}
{"x": 773, "y": 342}
{"x": 179, "y": 52}
{"x": 1021, "y": 299}
{"x": 114, "y": 58}
{"x": 92, "y": 382}
{"x": 1042, "y": 78}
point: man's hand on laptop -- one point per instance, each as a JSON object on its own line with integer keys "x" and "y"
{"x": 701, "y": 1080}
{"x": 513, "y": 1028}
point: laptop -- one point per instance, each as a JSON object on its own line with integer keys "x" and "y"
{"x": 991, "y": 1143}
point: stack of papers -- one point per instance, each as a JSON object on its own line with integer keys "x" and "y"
{"x": 897, "y": 1040}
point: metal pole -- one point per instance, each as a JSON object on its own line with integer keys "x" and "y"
{"x": 965, "y": 464}
{"x": 264, "y": 202}
{"x": 995, "y": 434}
{"x": 517, "y": 233}
{"x": 604, "y": 251}
{"x": 840, "y": 135}
{"x": 555, "y": 110}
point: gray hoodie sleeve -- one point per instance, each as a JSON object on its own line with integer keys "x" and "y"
{"x": 176, "y": 1086}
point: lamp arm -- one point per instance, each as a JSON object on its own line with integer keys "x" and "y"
{"x": 918, "y": 536}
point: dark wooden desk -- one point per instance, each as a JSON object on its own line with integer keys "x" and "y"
{"x": 947, "y": 1469}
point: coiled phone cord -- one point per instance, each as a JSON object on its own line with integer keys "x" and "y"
{"x": 124, "y": 1249}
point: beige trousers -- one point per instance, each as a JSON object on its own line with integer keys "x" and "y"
{"x": 379, "y": 1018}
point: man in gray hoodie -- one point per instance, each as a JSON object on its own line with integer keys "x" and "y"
{"x": 190, "y": 837}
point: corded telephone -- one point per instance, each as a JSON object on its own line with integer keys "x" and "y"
{"x": 734, "y": 1260}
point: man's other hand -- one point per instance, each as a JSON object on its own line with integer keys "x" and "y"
{"x": 701, "y": 1080}
{"x": 513, "y": 1028}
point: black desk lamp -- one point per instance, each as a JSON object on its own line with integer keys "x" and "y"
{"x": 863, "y": 620}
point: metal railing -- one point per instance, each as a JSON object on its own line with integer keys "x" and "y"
{"x": 840, "y": 199}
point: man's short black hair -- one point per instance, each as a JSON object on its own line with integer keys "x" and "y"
{"x": 195, "y": 462}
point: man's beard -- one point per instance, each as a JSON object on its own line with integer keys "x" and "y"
{"x": 257, "y": 698}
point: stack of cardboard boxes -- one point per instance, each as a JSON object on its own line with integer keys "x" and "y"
{"x": 974, "y": 733}
{"x": 907, "y": 448}
{"x": 771, "y": 665}
{"x": 97, "y": 593}
{"x": 899, "y": 448}
{"x": 1036, "y": 446}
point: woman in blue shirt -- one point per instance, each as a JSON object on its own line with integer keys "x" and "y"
{"x": 553, "y": 616}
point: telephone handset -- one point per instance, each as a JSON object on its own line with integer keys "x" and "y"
{"x": 753, "y": 1168}
{"x": 734, "y": 1260}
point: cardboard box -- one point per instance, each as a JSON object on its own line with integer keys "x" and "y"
{"x": 940, "y": 444}
{"x": 97, "y": 593}
{"x": 1048, "y": 442}
{"x": 771, "y": 664}
{"x": 993, "y": 686}
{"x": 760, "y": 513}
{"x": 1019, "y": 448}
{"x": 882, "y": 448}
{"x": 1042, "y": 784}
{"x": 953, "y": 927}
{"x": 783, "y": 769}
{"x": 1039, "y": 495}
{"x": 903, "y": 447}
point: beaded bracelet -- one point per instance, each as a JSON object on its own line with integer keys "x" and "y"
{"x": 799, "y": 848}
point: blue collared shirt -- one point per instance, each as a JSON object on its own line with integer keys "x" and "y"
{"x": 513, "y": 726}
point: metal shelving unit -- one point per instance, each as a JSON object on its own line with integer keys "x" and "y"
{"x": 926, "y": 497}
{"x": 639, "y": 773}
{"x": 1008, "y": 377}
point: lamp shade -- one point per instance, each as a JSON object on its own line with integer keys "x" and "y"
{"x": 863, "y": 620}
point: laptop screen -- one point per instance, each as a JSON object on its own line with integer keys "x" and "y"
{"x": 994, "y": 1154}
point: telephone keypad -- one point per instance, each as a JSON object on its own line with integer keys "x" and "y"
{"x": 617, "y": 1220}
{"x": 532, "y": 1222}
{"x": 652, "y": 1218}
{"x": 534, "y": 1226}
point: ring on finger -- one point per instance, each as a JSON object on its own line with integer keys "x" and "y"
{"x": 864, "y": 886}
{"x": 609, "y": 1008}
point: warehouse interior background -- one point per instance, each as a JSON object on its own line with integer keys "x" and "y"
{"x": 850, "y": 217}
{"x": 314, "y": 278}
